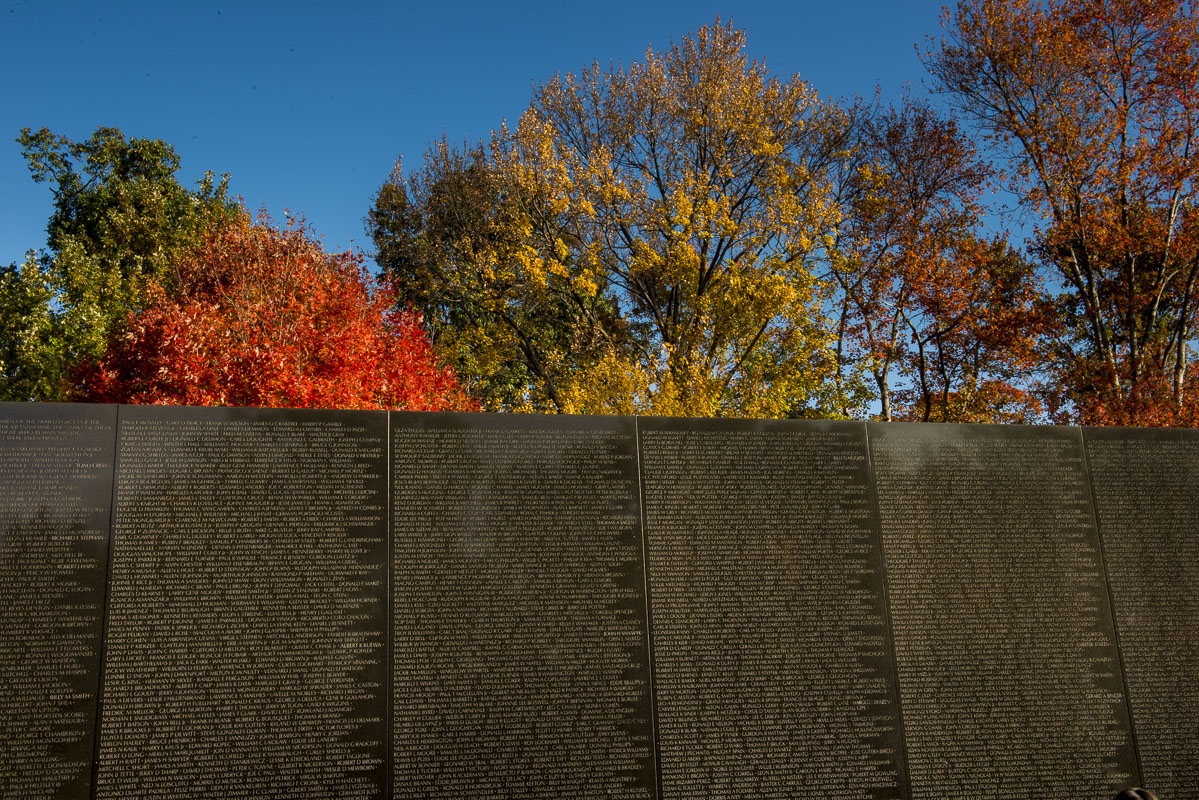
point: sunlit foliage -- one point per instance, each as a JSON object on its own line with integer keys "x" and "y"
{"x": 120, "y": 217}
{"x": 258, "y": 316}
{"x": 654, "y": 221}
{"x": 1096, "y": 108}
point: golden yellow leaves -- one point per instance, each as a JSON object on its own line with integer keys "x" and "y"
{"x": 642, "y": 236}
{"x": 693, "y": 182}
{"x": 626, "y": 385}
{"x": 584, "y": 285}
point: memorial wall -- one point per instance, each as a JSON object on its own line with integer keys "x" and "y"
{"x": 220, "y": 603}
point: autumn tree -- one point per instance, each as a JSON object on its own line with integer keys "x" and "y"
{"x": 1096, "y": 107}
{"x": 119, "y": 219}
{"x": 448, "y": 235}
{"x": 257, "y": 316}
{"x": 976, "y": 334}
{"x": 923, "y": 299}
{"x": 641, "y": 241}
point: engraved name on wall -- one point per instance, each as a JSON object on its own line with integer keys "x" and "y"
{"x": 772, "y": 664}
{"x": 1009, "y": 677}
{"x": 245, "y": 639}
{"x": 55, "y": 497}
{"x": 1147, "y": 499}
{"x": 519, "y": 652}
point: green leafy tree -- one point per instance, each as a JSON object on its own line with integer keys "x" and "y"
{"x": 120, "y": 218}
{"x": 27, "y": 340}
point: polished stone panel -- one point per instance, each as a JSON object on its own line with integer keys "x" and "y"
{"x": 56, "y": 469}
{"x": 1009, "y": 676}
{"x": 519, "y": 632}
{"x": 1147, "y": 497}
{"x": 215, "y": 603}
{"x": 245, "y": 651}
{"x": 772, "y": 664}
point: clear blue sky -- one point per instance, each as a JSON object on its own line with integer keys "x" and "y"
{"x": 308, "y": 105}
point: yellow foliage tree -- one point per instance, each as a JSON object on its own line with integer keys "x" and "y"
{"x": 655, "y": 226}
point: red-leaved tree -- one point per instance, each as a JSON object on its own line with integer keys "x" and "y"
{"x": 257, "y": 316}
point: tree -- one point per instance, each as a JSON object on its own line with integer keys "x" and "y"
{"x": 976, "y": 332}
{"x": 1096, "y": 107}
{"x": 922, "y": 297}
{"x": 256, "y": 316}
{"x": 647, "y": 231}
{"x": 27, "y": 341}
{"x": 448, "y": 236}
{"x": 120, "y": 217}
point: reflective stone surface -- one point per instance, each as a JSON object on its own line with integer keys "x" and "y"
{"x": 1008, "y": 672}
{"x": 1147, "y": 497}
{"x": 56, "y": 466}
{"x": 217, "y": 603}
{"x": 772, "y": 664}
{"x": 519, "y": 632}
{"x": 245, "y": 642}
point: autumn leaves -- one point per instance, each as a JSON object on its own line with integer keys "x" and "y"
{"x": 1095, "y": 106}
{"x": 692, "y": 235}
{"x": 257, "y": 316}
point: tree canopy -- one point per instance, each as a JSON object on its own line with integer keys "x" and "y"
{"x": 688, "y": 235}
{"x": 693, "y": 235}
{"x": 1095, "y": 106}
{"x": 922, "y": 297}
{"x": 639, "y": 242}
{"x": 258, "y": 316}
{"x": 120, "y": 218}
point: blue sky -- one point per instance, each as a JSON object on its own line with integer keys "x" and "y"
{"x": 308, "y": 105}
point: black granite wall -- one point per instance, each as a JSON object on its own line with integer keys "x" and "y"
{"x": 220, "y": 603}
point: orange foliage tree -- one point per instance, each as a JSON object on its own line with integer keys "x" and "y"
{"x": 258, "y": 316}
{"x": 976, "y": 326}
{"x": 1095, "y": 104}
{"x": 922, "y": 297}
